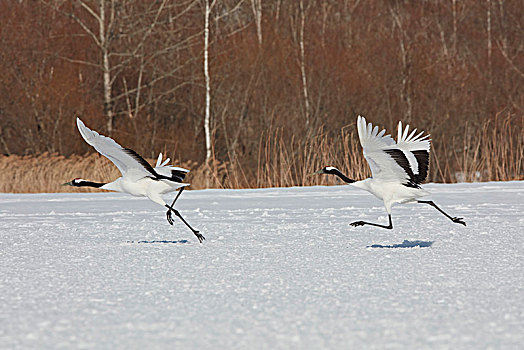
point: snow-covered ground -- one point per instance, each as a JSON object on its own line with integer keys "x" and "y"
{"x": 280, "y": 269}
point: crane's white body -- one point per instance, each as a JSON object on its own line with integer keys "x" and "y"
{"x": 397, "y": 167}
{"x": 144, "y": 187}
{"x": 390, "y": 193}
{"x": 138, "y": 178}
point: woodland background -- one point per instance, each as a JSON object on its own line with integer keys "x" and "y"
{"x": 257, "y": 93}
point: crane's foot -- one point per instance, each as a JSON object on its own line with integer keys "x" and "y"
{"x": 199, "y": 236}
{"x": 177, "y": 213}
{"x": 169, "y": 217}
{"x": 358, "y": 223}
{"x": 458, "y": 220}
{"x": 362, "y": 223}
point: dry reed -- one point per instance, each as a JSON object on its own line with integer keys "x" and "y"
{"x": 493, "y": 151}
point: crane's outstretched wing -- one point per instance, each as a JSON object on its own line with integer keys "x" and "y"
{"x": 405, "y": 161}
{"x": 416, "y": 150}
{"x": 130, "y": 163}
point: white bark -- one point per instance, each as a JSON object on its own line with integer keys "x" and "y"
{"x": 454, "y": 11}
{"x": 102, "y": 41}
{"x": 106, "y": 68}
{"x": 303, "y": 62}
{"x": 207, "y": 116}
{"x": 488, "y": 20}
{"x": 256, "y": 5}
{"x": 101, "y": 27}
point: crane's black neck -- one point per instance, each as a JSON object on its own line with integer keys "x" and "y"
{"x": 342, "y": 176}
{"x": 85, "y": 183}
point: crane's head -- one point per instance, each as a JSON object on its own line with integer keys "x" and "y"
{"x": 75, "y": 182}
{"x": 331, "y": 170}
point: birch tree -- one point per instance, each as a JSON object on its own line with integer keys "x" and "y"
{"x": 208, "y": 8}
{"x": 207, "y": 116}
{"x": 98, "y": 20}
{"x": 122, "y": 32}
{"x": 302, "y": 61}
{"x": 256, "y": 6}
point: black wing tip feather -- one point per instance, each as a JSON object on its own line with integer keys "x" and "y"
{"x": 422, "y": 158}
{"x": 141, "y": 160}
{"x": 178, "y": 175}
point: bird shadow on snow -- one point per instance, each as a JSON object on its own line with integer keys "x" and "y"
{"x": 181, "y": 241}
{"x": 405, "y": 244}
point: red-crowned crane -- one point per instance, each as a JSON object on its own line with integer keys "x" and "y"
{"x": 397, "y": 168}
{"x": 138, "y": 178}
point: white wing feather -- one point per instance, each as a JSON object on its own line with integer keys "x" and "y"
{"x": 411, "y": 143}
{"x": 159, "y": 160}
{"x": 382, "y": 166}
{"x": 107, "y": 147}
{"x": 375, "y": 146}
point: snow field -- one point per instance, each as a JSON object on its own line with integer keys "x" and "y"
{"x": 280, "y": 269}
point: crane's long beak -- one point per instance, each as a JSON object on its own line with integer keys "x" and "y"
{"x": 70, "y": 183}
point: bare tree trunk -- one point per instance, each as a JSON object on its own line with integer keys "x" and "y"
{"x": 106, "y": 68}
{"x": 503, "y": 24}
{"x": 256, "y": 5}
{"x": 444, "y": 47}
{"x": 326, "y": 8}
{"x": 277, "y": 11}
{"x": 207, "y": 130}
{"x": 108, "y": 108}
{"x": 102, "y": 40}
{"x": 350, "y": 9}
{"x": 405, "y": 93}
{"x": 454, "y": 12}
{"x": 303, "y": 63}
{"x": 488, "y": 24}
{"x": 106, "y": 18}
{"x": 4, "y": 143}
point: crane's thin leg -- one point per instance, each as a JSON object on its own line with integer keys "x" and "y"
{"x": 196, "y": 233}
{"x": 170, "y": 218}
{"x": 178, "y": 195}
{"x": 362, "y": 223}
{"x": 452, "y": 218}
{"x": 170, "y": 207}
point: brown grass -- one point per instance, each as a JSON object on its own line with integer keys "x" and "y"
{"x": 493, "y": 151}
